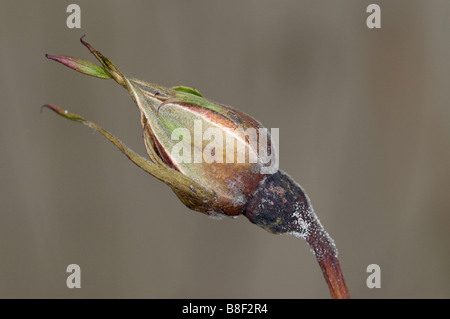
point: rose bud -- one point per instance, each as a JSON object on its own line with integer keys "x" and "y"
{"x": 218, "y": 160}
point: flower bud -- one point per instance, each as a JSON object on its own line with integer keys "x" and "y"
{"x": 212, "y": 146}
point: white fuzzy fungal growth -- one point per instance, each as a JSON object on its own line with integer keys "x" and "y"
{"x": 302, "y": 225}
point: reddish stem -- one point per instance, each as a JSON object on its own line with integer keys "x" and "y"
{"x": 334, "y": 277}
{"x": 281, "y": 206}
{"x": 326, "y": 254}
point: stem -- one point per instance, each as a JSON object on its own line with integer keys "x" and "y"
{"x": 282, "y": 207}
{"x": 334, "y": 277}
{"x": 326, "y": 254}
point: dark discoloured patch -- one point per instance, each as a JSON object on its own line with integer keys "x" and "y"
{"x": 281, "y": 206}
{"x": 275, "y": 202}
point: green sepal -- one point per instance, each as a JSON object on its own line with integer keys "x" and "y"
{"x": 187, "y": 89}
{"x": 81, "y": 66}
{"x": 189, "y": 98}
{"x": 189, "y": 191}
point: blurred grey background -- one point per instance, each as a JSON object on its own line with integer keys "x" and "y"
{"x": 364, "y": 122}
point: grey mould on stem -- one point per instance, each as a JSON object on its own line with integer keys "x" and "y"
{"x": 280, "y": 206}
